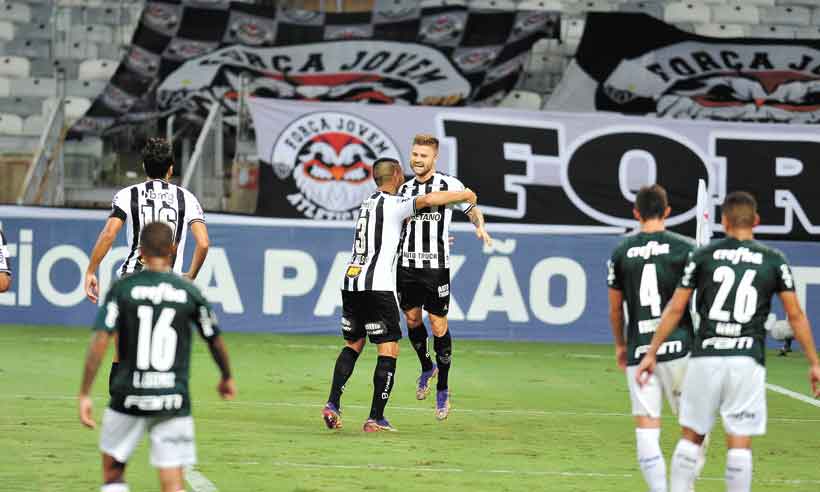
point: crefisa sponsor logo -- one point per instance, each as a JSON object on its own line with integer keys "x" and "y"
{"x": 329, "y": 157}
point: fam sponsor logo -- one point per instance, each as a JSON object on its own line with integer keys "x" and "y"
{"x": 329, "y": 158}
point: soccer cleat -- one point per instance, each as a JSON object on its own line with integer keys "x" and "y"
{"x": 442, "y": 404}
{"x": 424, "y": 382}
{"x": 378, "y": 425}
{"x": 332, "y": 416}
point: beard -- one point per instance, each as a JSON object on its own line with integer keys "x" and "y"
{"x": 336, "y": 196}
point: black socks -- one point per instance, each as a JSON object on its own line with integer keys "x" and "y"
{"x": 383, "y": 378}
{"x": 341, "y": 373}
{"x": 444, "y": 348}
{"x": 418, "y": 339}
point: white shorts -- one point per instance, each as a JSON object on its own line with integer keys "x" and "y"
{"x": 647, "y": 400}
{"x": 735, "y": 385}
{"x": 172, "y": 438}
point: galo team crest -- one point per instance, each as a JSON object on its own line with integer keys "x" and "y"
{"x": 329, "y": 156}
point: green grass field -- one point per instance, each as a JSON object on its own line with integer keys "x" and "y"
{"x": 526, "y": 416}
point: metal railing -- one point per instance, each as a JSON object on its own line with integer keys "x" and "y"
{"x": 205, "y": 171}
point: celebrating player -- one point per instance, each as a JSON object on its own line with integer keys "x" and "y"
{"x": 5, "y": 269}
{"x": 424, "y": 273}
{"x": 369, "y": 304}
{"x": 644, "y": 270}
{"x": 153, "y": 200}
{"x": 735, "y": 279}
{"x": 154, "y": 312}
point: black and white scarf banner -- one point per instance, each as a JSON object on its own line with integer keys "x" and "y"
{"x": 187, "y": 54}
{"x": 671, "y": 73}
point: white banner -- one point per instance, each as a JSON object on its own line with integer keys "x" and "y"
{"x": 556, "y": 172}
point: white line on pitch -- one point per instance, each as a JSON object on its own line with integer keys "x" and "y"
{"x": 793, "y": 394}
{"x": 198, "y": 481}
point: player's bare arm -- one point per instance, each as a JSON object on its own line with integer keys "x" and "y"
{"x": 200, "y": 232}
{"x": 670, "y": 318}
{"x": 802, "y": 332}
{"x": 96, "y": 351}
{"x": 226, "y": 387}
{"x": 101, "y": 248}
{"x": 439, "y": 198}
{"x": 477, "y": 219}
{"x": 616, "y": 321}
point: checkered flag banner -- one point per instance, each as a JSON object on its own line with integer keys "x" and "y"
{"x": 187, "y": 54}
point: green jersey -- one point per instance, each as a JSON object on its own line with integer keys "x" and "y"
{"x": 154, "y": 314}
{"x": 735, "y": 281}
{"x": 646, "y": 268}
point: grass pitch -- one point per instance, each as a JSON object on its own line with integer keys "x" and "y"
{"x": 526, "y": 416}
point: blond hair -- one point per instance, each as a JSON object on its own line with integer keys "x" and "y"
{"x": 426, "y": 139}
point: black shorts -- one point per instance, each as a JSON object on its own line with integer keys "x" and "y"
{"x": 371, "y": 312}
{"x": 427, "y": 288}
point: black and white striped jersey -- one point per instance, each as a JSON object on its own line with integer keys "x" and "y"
{"x": 155, "y": 200}
{"x": 426, "y": 236}
{"x": 4, "y": 255}
{"x": 376, "y": 242}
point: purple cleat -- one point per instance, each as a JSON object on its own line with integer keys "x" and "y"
{"x": 442, "y": 404}
{"x": 378, "y": 425}
{"x": 424, "y": 382}
{"x": 332, "y": 416}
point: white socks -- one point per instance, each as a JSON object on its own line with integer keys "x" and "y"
{"x": 650, "y": 459}
{"x": 684, "y": 466}
{"x": 114, "y": 487}
{"x": 739, "y": 470}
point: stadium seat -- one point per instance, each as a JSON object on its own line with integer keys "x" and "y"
{"x": 810, "y": 32}
{"x": 10, "y": 124}
{"x": 654, "y": 9}
{"x": 77, "y": 50}
{"x": 583, "y": 6}
{"x": 721, "y": 30}
{"x": 46, "y": 67}
{"x": 815, "y": 17}
{"x": 6, "y": 30}
{"x": 541, "y": 5}
{"x": 92, "y": 33}
{"x": 15, "y": 12}
{"x": 97, "y": 69}
{"x": 536, "y": 81}
{"x": 21, "y": 106}
{"x": 80, "y": 3}
{"x": 687, "y": 12}
{"x": 84, "y": 88}
{"x": 5, "y": 87}
{"x": 491, "y": 4}
{"x": 806, "y": 3}
{"x": 33, "y": 125}
{"x": 571, "y": 32}
{"x": 30, "y": 48}
{"x": 15, "y": 67}
{"x": 521, "y": 100}
{"x": 39, "y": 30}
{"x": 75, "y": 107}
{"x": 39, "y": 87}
{"x": 773, "y": 32}
{"x": 787, "y": 15}
{"x": 735, "y": 14}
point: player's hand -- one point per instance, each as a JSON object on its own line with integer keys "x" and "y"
{"x": 814, "y": 378}
{"x": 620, "y": 356}
{"x": 92, "y": 288}
{"x": 471, "y": 196}
{"x": 86, "y": 408}
{"x": 188, "y": 276}
{"x": 482, "y": 234}
{"x": 645, "y": 369}
{"x": 226, "y": 389}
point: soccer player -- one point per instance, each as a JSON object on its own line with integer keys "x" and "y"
{"x": 644, "y": 271}
{"x": 369, "y": 304}
{"x": 154, "y": 312}
{"x": 5, "y": 269}
{"x": 736, "y": 278}
{"x": 155, "y": 199}
{"x": 424, "y": 272}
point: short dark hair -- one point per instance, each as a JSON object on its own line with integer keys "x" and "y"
{"x": 157, "y": 239}
{"x": 740, "y": 208}
{"x": 157, "y": 157}
{"x": 651, "y": 202}
{"x": 383, "y": 169}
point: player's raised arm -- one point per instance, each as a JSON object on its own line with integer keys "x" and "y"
{"x": 670, "y": 318}
{"x": 439, "y": 198}
{"x": 802, "y": 332}
{"x": 101, "y": 248}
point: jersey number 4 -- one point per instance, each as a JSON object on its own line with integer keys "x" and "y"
{"x": 156, "y": 343}
{"x": 649, "y": 294}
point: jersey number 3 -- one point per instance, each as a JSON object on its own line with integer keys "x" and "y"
{"x": 157, "y": 344}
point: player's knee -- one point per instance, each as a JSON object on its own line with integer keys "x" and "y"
{"x": 357, "y": 345}
{"x": 438, "y": 325}
{"x": 413, "y": 317}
